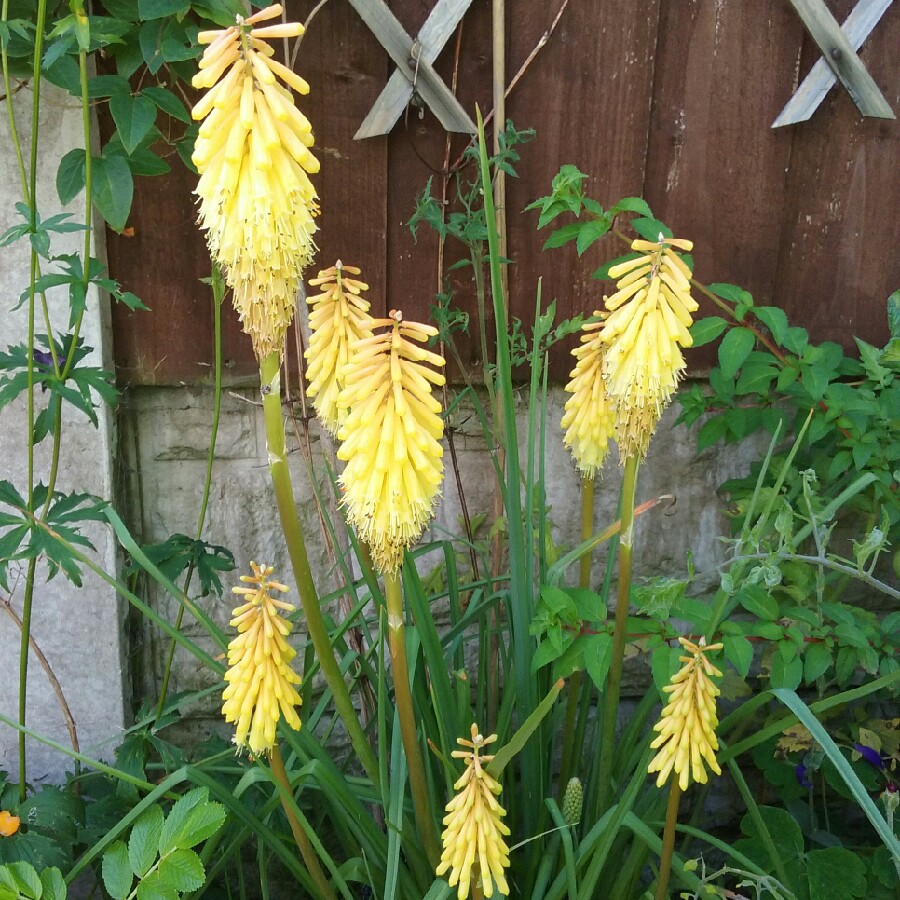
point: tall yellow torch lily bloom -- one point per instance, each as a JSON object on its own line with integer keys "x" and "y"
{"x": 391, "y": 438}
{"x": 588, "y": 417}
{"x": 473, "y": 837}
{"x": 687, "y": 725}
{"x": 338, "y": 317}
{"x": 261, "y": 683}
{"x": 650, "y": 314}
{"x": 256, "y": 200}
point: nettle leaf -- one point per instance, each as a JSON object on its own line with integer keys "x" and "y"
{"x": 134, "y": 117}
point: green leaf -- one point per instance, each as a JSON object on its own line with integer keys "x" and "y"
{"x": 850, "y": 634}
{"x": 780, "y": 824}
{"x": 732, "y": 292}
{"x": 633, "y": 204}
{"x": 154, "y": 888}
{"x": 182, "y": 870}
{"x": 734, "y": 349}
{"x": 597, "y": 657}
{"x": 835, "y": 873}
{"x": 134, "y": 117}
{"x": 143, "y": 844}
{"x": 707, "y": 329}
{"x": 201, "y": 823}
{"x": 816, "y": 661}
{"x": 590, "y": 232}
{"x": 117, "y": 874}
{"x": 786, "y": 673}
{"x": 54, "y": 884}
{"x": 70, "y": 176}
{"x": 774, "y": 319}
{"x": 113, "y": 190}
{"x": 711, "y": 431}
{"x": 758, "y": 601}
{"x": 160, "y": 9}
{"x": 563, "y": 236}
{"x": 650, "y": 229}
{"x": 168, "y": 102}
{"x": 739, "y": 652}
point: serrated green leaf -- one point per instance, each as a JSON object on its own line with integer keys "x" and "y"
{"x": 113, "y": 190}
{"x": 27, "y": 879}
{"x": 734, "y": 349}
{"x": 597, "y": 657}
{"x": 143, "y": 843}
{"x": 835, "y": 873}
{"x": 203, "y": 822}
{"x": 182, "y": 870}
{"x": 54, "y": 884}
{"x": 154, "y": 888}
{"x": 116, "y": 869}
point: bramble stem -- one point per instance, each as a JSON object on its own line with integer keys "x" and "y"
{"x": 301, "y": 839}
{"x": 668, "y": 842}
{"x": 270, "y": 372}
{"x": 614, "y": 679}
{"x": 406, "y": 713}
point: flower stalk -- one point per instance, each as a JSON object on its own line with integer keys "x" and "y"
{"x": 614, "y": 678}
{"x": 668, "y": 842}
{"x": 270, "y": 374}
{"x": 406, "y": 713}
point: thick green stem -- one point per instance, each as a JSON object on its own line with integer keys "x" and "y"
{"x": 406, "y": 713}
{"x": 301, "y": 839}
{"x": 574, "y": 686}
{"x": 668, "y": 842}
{"x": 614, "y": 679}
{"x": 270, "y": 372}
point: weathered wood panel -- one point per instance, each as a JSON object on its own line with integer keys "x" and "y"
{"x": 672, "y": 99}
{"x": 840, "y": 233}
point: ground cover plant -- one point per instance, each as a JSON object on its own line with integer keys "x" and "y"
{"x": 486, "y": 758}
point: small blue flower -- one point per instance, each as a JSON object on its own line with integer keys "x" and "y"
{"x": 802, "y": 777}
{"x": 43, "y": 359}
{"x": 870, "y": 755}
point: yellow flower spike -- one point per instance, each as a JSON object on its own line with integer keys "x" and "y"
{"x": 257, "y": 204}
{"x": 648, "y": 325}
{"x": 338, "y": 317}
{"x": 474, "y": 832}
{"x": 260, "y": 681}
{"x": 391, "y": 437}
{"x": 588, "y": 417}
{"x": 687, "y": 725}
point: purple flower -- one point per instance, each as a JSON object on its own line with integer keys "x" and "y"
{"x": 802, "y": 778}
{"x": 43, "y": 359}
{"x": 870, "y": 755}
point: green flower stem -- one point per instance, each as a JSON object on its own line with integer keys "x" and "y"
{"x": 276, "y": 764}
{"x": 574, "y": 691}
{"x": 218, "y": 293}
{"x": 270, "y": 372}
{"x": 668, "y": 841}
{"x": 614, "y": 679}
{"x": 407, "y": 715}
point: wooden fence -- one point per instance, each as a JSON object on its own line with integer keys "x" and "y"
{"x": 672, "y": 100}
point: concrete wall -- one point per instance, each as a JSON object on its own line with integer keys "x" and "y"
{"x": 165, "y": 440}
{"x": 78, "y": 630}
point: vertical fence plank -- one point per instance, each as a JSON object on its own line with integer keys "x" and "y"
{"x": 838, "y": 256}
